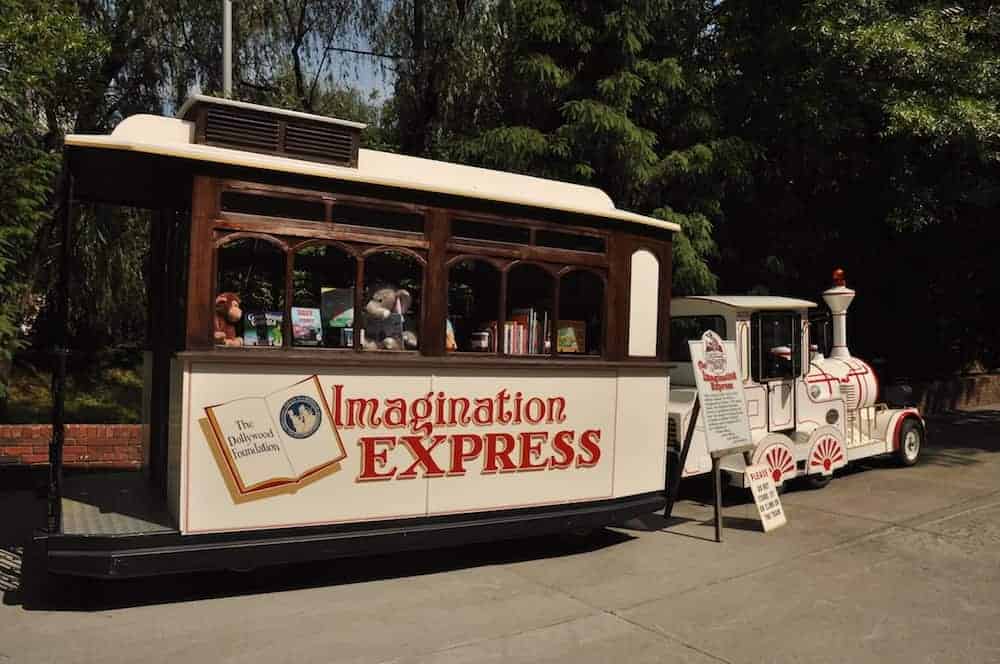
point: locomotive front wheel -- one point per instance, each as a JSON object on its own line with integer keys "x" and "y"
{"x": 911, "y": 442}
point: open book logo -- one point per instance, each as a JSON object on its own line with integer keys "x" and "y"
{"x": 278, "y": 441}
{"x": 300, "y": 416}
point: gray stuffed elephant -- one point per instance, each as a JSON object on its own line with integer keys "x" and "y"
{"x": 385, "y": 318}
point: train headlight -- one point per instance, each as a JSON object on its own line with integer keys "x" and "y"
{"x": 832, "y": 416}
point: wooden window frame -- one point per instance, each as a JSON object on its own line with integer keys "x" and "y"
{"x": 437, "y": 251}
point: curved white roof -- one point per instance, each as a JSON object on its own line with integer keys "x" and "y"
{"x": 153, "y": 134}
{"x": 750, "y": 302}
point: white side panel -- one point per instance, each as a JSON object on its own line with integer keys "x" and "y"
{"x": 644, "y": 297}
{"x": 553, "y": 438}
{"x": 641, "y": 428}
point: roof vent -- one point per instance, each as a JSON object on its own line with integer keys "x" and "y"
{"x": 241, "y": 126}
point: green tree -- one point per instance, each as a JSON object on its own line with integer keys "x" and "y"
{"x": 619, "y": 95}
{"x": 878, "y": 127}
{"x": 45, "y": 57}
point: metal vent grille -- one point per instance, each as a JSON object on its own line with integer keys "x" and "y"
{"x": 278, "y": 134}
{"x": 316, "y": 141}
{"x": 672, "y": 438}
{"x": 241, "y": 129}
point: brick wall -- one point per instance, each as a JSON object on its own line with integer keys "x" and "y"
{"x": 86, "y": 445}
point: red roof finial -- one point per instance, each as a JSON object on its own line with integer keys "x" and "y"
{"x": 838, "y": 278}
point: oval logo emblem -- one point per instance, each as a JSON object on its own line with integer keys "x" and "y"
{"x": 301, "y": 417}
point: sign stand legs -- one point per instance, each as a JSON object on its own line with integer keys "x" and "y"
{"x": 717, "y": 481}
{"x": 674, "y": 476}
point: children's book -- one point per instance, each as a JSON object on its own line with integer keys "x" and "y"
{"x": 277, "y": 439}
{"x": 571, "y": 336}
{"x": 449, "y": 336}
{"x": 263, "y": 328}
{"x": 337, "y": 306}
{"x": 306, "y": 327}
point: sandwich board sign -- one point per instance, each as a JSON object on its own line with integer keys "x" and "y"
{"x": 720, "y": 390}
{"x": 765, "y": 495}
{"x": 723, "y": 406}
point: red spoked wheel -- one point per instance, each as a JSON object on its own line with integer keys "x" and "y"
{"x": 827, "y": 455}
{"x": 781, "y": 462}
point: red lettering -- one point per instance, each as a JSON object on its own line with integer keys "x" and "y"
{"x": 369, "y": 457}
{"x": 531, "y": 450}
{"x": 394, "y": 414}
{"x": 557, "y": 410}
{"x": 589, "y": 440}
{"x": 338, "y": 390}
{"x": 493, "y": 453}
{"x": 458, "y": 411}
{"x": 459, "y": 455}
{"x": 562, "y": 444}
{"x": 363, "y": 412}
{"x": 422, "y": 457}
{"x": 420, "y": 415}
{"x": 539, "y": 406}
{"x": 483, "y": 413}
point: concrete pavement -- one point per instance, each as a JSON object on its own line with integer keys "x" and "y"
{"x": 884, "y": 565}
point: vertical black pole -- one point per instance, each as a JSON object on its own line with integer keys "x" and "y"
{"x": 61, "y": 317}
{"x": 674, "y": 476}
{"x": 717, "y": 481}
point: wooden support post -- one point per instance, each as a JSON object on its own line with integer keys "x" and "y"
{"x": 717, "y": 484}
{"x": 54, "y": 520}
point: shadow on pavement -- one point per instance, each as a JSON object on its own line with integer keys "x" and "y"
{"x": 81, "y": 594}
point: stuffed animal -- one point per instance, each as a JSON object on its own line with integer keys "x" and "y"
{"x": 227, "y": 314}
{"x": 385, "y": 320}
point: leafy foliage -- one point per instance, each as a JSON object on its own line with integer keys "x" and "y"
{"x": 44, "y": 56}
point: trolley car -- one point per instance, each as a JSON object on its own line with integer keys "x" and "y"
{"x": 353, "y": 351}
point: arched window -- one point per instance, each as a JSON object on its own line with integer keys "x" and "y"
{"x": 323, "y": 279}
{"x": 581, "y": 313}
{"x": 390, "y": 316}
{"x": 251, "y": 271}
{"x": 528, "y": 326}
{"x": 473, "y": 306}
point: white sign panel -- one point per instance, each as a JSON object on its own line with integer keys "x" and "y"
{"x": 720, "y": 390}
{"x": 765, "y": 495}
{"x": 275, "y": 449}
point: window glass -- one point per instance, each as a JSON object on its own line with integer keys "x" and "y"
{"x": 391, "y": 314}
{"x": 690, "y": 328}
{"x": 573, "y": 241}
{"x": 323, "y": 279}
{"x": 376, "y": 218}
{"x": 528, "y": 326}
{"x": 251, "y": 274}
{"x": 481, "y": 230}
{"x": 473, "y": 305}
{"x": 581, "y": 308}
{"x": 273, "y": 206}
{"x": 821, "y": 334}
{"x": 776, "y": 353}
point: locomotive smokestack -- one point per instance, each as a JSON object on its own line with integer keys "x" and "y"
{"x": 839, "y": 299}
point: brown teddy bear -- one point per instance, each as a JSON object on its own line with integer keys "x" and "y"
{"x": 227, "y": 314}
{"x": 385, "y": 318}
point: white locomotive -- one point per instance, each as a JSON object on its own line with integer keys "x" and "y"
{"x": 809, "y": 414}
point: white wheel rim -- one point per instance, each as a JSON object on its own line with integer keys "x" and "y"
{"x": 911, "y": 444}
